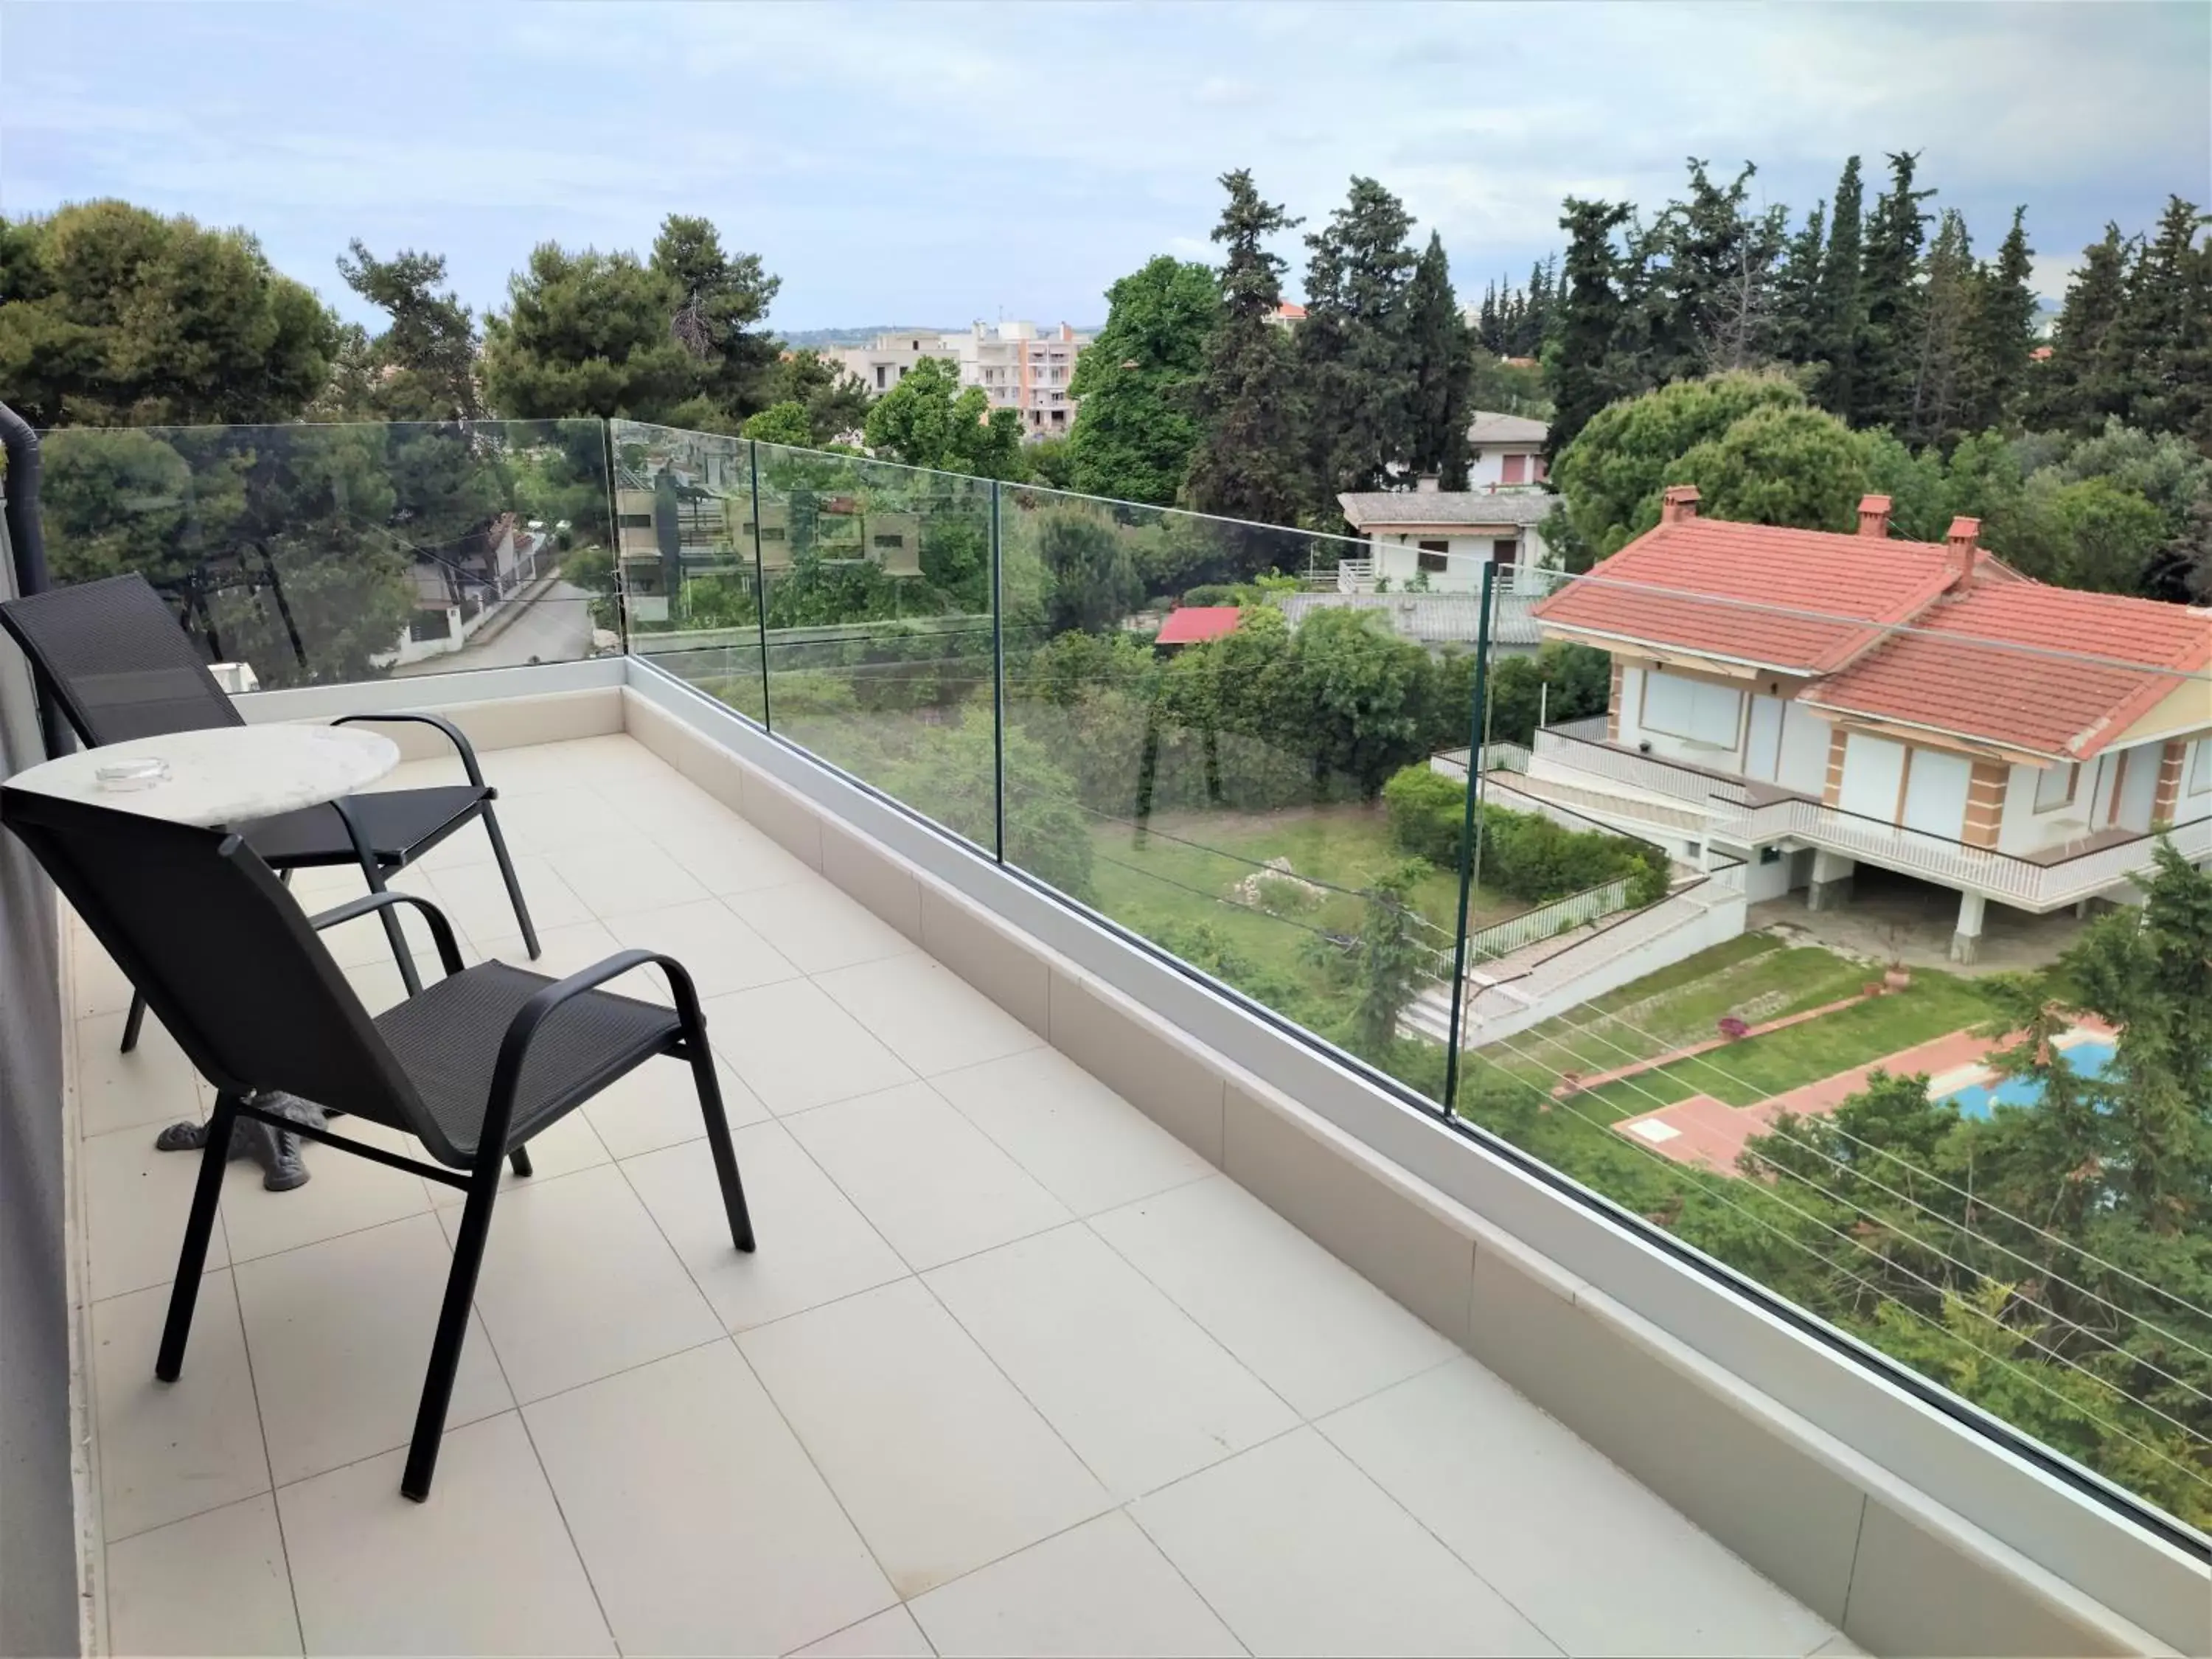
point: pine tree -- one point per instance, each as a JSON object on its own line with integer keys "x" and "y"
{"x": 1577, "y": 366}
{"x": 2082, "y": 383}
{"x": 1797, "y": 290}
{"x": 2001, "y": 333}
{"x": 1488, "y": 330}
{"x": 1838, "y": 312}
{"x": 1444, "y": 369}
{"x": 423, "y": 367}
{"x": 1889, "y": 272}
{"x": 1247, "y": 399}
{"x": 1356, "y": 367}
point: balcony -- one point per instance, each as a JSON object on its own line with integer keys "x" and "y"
{"x": 1104, "y": 1302}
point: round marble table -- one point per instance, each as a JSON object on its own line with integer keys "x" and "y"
{"x": 223, "y": 775}
{"x": 220, "y": 775}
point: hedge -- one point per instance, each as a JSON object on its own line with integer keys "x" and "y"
{"x": 1525, "y": 854}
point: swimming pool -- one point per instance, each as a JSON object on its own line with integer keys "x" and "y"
{"x": 2089, "y": 1059}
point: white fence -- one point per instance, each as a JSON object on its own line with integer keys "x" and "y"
{"x": 1488, "y": 943}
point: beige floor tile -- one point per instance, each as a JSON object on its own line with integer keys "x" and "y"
{"x": 1101, "y": 1589}
{"x": 730, "y": 857}
{"x": 555, "y": 820}
{"x": 928, "y": 1180}
{"x": 892, "y": 1634}
{"x": 485, "y": 1566}
{"x": 1313, "y": 1330}
{"x": 569, "y": 1145}
{"x": 475, "y": 899}
{"x": 171, "y": 1449}
{"x": 704, "y": 1526}
{"x": 720, "y": 952}
{"x": 339, "y": 1334}
{"x": 154, "y": 1083}
{"x": 814, "y": 1246}
{"x": 578, "y": 1283}
{"x": 927, "y": 1015}
{"x": 362, "y": 941}
{"x": 215, "y": 1583}
{"x": 99, "y": 987}
{"x": 819, "y": 927}
{"x": 1143, "y": 1395}
{"x": 941, "y": 1465}
{"x": 1300, "y": 1554}
{"x": 344, "y": 1194}
{"x": 622, "y": 881}
{"x": 797, "y": 1049}
{"x": 657, "y": 1105}
{"x": 563, "y": 952}
{"x": 136, "y": 1203}
{"x": 1529, "y": 1506}
{"x": 1088, "y": 1146}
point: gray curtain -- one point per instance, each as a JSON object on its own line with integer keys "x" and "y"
{"x": 38, "y": 1530}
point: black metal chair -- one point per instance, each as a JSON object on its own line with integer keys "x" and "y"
{"x": 111, "y": 657}
{"x": 473, "y": 1067}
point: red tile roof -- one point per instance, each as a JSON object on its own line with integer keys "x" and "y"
{"x": 1194, "y": 623}
{"x": 2045, "y": 704}
{"x": 1848, "y": 580}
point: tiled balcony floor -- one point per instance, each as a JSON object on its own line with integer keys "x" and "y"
{"x": 1011, "y": 1372}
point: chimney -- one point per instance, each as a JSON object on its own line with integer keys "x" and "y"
{"x": 1426, "y": 483}
{"x": 1873, "y": 516}
{"x": 1963, "y": 554}
{"x": 1679, "y": 504}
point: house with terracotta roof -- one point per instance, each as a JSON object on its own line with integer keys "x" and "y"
{"x": 1808, "y": 701}
{"x": 1190, "y": 624}
{"x": 1505, "y": 452}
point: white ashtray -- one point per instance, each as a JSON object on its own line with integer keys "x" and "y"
{"x": 140, "y": 774}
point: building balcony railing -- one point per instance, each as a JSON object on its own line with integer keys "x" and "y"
{"x": 1175, "y": 872}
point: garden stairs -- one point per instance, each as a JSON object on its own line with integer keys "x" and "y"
{"x": 1549, "y": 976}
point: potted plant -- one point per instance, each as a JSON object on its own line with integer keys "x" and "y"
{"x": 1897, "y": 976}
{"x": 1732, "y": 1028}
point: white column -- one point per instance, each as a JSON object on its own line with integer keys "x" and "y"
{"x": 1966, "y": 942}
{"x": 1831, "y": 886}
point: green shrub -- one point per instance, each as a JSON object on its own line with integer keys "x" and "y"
{"x": 1523, "y": 854}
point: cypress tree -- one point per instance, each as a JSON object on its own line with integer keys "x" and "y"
{"x": 2002, "y": 333}
{"x": 1838, "y": 315}
{"x": 1576, "y": 362}
{"x": 2162, "y": 336}
{"x": 2082, "y": 384}
{"x": 1355, "y": 369}
{"x": 1797, "y": 290}
{"x": 1889, "y": 272}
{"x": 1247, "y": 401}
{"x": 1444, "y": 369}
{"x": 1942, "y": 373}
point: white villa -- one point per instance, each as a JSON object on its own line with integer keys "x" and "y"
{"x": 1504, "y": 451}
{"x": 1440, "y": 539}
{"x": 1806, "y": 701}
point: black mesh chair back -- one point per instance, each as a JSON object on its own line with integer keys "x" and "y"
{"x": 224, "y": 956}
{"x": 113, "y": 657}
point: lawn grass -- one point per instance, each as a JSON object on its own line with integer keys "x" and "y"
{"x": 1754, "y": 975}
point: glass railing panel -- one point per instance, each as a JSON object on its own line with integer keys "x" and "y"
{"x": 686, "y": 557}
{"x": 1200, "y": 737}
{"x": 308, "y": 554}
{"x": 1916, "y": 1030}
{"x": 877, "y": 583}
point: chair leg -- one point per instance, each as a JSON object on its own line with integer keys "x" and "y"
{"x": 191, "y": 1260}
{"x": 453, "y": 1330}
{"x": 518, "y": 1161}
{"x": 402, "y": 952}
{"x": 717, "y": 1138}
{"x": 134, "y": 1021}
{"x": 514, "y": 886}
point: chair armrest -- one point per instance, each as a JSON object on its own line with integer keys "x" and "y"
{"x": 515, "y": 1047}
{"x": 441, "y": 930}
{"x": 453, "y": 732}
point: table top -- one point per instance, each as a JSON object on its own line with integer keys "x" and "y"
{"x": 224, "y": 774}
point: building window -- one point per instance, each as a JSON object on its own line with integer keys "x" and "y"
{"x": 879, "y": 377}
{"x": 1433, "y": 555}
{"x": 1513, "y": 469}
{"x": 893, "y": 542}
{"x": 1540, "y": 472}
{"x": 2200, "y": 766}
{"x": 635, "y": 520}
{"x": 2054, "y": 787}
{"x": 771, "y": 532}
{"x": 1696, "y": 709}
{"x": 1506, "y": 550}
{"x": 1060, "y": 418}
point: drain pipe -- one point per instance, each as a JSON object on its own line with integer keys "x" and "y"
{"x": 27, "y": 541}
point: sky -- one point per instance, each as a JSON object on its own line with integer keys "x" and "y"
{"x": 922, "y": 163}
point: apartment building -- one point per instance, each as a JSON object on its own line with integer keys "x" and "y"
{"x": 1018, "y": 366}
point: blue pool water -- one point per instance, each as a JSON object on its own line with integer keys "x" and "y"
{"x": 2089, "y": 1059}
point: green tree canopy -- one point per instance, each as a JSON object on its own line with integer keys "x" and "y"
{"x": 782, "y": 424}
{"x": 928, "y": 420}
{"x": 1355, "y": 356}
{"x": 111, "y": 315}
{"x": 1444, "y": 370}
{"x": 1801, "y": 467}
{"x": 1135, "y": 426}
{"x": 423, "y": 366}
{"x": 835, "y": 401}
